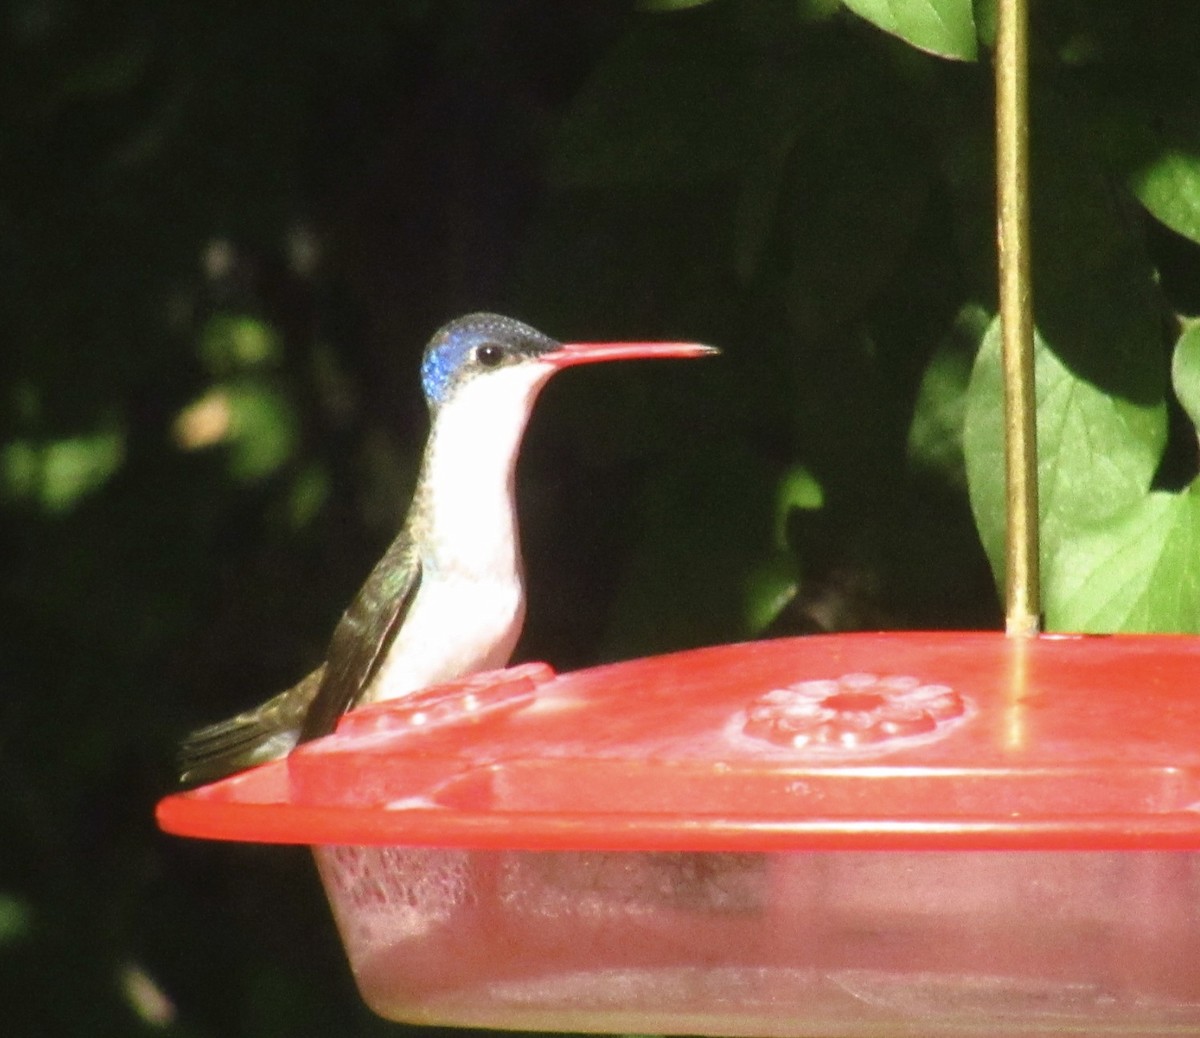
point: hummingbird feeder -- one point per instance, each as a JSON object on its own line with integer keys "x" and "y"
{"x": 932, "y": 833}
{"x": 844, "y": 835}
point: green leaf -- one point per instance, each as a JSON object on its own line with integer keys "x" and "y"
{"x": 1137, "y": 572}
{"x": 263, "y": 430}
{"x": 1152, "y": 138}
{"x": 1185, "y": 372}
{"x": 1097, "y": 451}
{"x": 774, "y": 582}
{"x": 799, "y": 490}
{"x": 944, "y": 27}
{"x": 1168, "y": 185}
{"x": 771, "y": 585}
{"x": 16, "y": 919}
{"x": 1099, "y": 353}
{"x": 238, "y": 342}
{"x": 935, "y": 437}
{"x": 1094, "y": 299}
{"x": 307, "y": 496}
{"x": 58, "y": 474}
{"x": 255, "y": 420}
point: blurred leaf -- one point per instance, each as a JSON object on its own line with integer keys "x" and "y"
{"x": 263, "y": 431}
{"x": 773, "y": 583}
{"x": 771, "y": 586}
{"x": 253, "y": 419}
{"x": 16, "y": 919}
{"x": 935, "y": 437}
{"x": 1139, "y": 571}
{"x": 57, "y": 474}
{"x": 308, "y": 493}
{"x": 944, "y": 27}
{"x": 237, "y": 342}
{"x": 1185, "y": 372}
{"x": 799, "y": 490}
{"x": 1097, "y": 452}
{"x": 145, "y": 996}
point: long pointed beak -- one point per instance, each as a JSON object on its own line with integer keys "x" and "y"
{"x": 569, "y": 353}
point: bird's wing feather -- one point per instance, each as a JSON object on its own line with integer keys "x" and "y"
{"x": 363, "y": 634}
{"x": 253, "y": 737}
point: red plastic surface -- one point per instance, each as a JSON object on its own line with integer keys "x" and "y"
{"x": 878, "y": 741}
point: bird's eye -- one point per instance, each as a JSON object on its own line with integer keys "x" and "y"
{"x": 489, "y": 354}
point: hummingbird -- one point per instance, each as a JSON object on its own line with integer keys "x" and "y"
{"x": 447, "y": 599}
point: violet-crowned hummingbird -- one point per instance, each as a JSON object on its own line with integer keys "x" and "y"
{"x": 447, "y": 599}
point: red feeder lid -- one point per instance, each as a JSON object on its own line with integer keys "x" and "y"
{"x": 864, "y": 741}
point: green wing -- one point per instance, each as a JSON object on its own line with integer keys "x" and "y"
{"x": 253, "y": 737}
{"x": 363, "y": 635}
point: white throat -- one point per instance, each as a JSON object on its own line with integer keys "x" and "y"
{"x": 470, "y": 469}
{"x": 470, "y": 603}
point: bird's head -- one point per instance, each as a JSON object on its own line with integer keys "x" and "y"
{"x": 472, "y": 347}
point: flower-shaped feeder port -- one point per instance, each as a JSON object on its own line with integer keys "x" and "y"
{"x": 917, "y": 834}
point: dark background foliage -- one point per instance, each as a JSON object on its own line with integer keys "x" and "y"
{"x": 226, "y": 231}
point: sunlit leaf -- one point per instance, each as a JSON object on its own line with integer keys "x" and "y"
{"x": 944, "y": 27}
{"x": 1097, "y": 452}
{"x": 1139, "y": 571}
{"x": 1151, "y": 137}
{"x": 1185, "y": 372}
{"x": 1099, "y": 353}
{"x": 1168, "y": 185}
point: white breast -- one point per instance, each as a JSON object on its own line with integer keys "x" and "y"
{"x": 455, "y": 627}
{"x": 470, "y": 605}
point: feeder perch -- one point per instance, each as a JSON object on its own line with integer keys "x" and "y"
{"x": 848, "y": 835}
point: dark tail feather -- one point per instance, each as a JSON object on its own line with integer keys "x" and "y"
{"x": 265, "y": 733}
